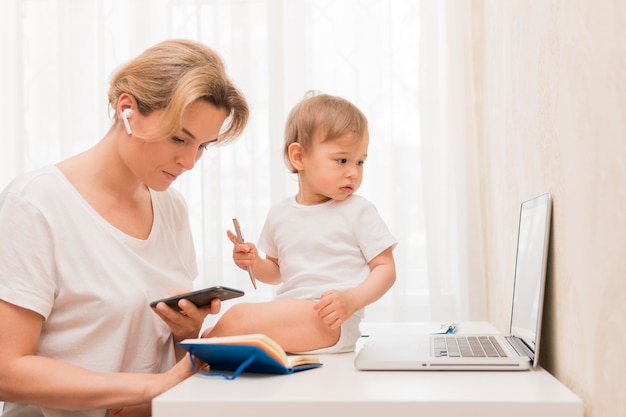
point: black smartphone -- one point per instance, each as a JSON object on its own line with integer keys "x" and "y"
{"x": 201, "y": 297}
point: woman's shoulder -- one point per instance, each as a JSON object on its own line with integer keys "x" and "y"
{"x": 44, "y": 193}
{"x": 37, "y": 184}
{"x": 46, "y": 175}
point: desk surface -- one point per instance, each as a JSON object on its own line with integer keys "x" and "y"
{"x": 338, "y": 389}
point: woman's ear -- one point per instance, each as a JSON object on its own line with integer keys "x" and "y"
{"x": 125, "y": 101}
{"x": 296, "y": 155}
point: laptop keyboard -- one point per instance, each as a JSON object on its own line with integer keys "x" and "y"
{"x": 467, "y": 347}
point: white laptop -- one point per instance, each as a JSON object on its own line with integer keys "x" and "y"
{"x": 519, "y": 350}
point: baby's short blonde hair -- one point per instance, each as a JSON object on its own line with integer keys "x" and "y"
{"x": 321, "y": 117}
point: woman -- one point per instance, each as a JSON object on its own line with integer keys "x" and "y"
{"x": 86, "y": 244}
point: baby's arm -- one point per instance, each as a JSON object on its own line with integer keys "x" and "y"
{"x": 335, "y": 307}
{"x": 244, "y": 254}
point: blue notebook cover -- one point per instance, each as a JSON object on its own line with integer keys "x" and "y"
{"x": 241, "y": 357}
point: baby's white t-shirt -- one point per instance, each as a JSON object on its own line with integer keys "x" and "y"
{"x": 324, "y": 246}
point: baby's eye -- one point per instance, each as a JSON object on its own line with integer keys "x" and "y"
{"x": 360, "y": 163}
{"x": 177, "y": 139}
{"x": 342, "y": 160}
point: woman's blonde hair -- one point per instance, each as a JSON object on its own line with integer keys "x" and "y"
{"x": 321, "y": 117}
{"x": 172, "y": 75}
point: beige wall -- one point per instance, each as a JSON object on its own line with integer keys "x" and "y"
{"x": 550, "y": 83}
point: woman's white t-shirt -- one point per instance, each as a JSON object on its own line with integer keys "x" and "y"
{"x": 91, "y": 282}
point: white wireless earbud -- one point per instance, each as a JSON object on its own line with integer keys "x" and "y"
{"x": 125, "y": 114}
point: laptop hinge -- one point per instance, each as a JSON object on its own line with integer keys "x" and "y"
{"x": 521, "y": 347}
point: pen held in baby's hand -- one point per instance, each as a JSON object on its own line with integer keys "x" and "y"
{"x": 241, "y": 240}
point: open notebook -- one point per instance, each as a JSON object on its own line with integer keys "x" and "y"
{"x": 246, "y": 353}
{"x": 519, "y": 350}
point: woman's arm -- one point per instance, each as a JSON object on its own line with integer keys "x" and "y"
{"x": 31, "y": 379}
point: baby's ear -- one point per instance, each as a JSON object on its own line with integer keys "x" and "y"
{"x": 295, "y": 156}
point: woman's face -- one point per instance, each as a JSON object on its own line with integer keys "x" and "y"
{"x": 159, "y": 162}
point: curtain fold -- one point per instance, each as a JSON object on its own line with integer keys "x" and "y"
{"x": 11, "y": 79}
{"x": 451, "y": 193}
{"x": 400, "y": 61}
{"x": 474, "y": 300}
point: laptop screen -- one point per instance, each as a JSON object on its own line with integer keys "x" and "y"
{"x": 530, "y": 270}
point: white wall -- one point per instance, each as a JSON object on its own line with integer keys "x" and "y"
{"x": 550, "y": 78}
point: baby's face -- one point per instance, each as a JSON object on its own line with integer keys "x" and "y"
{"x": 333, "y": 169}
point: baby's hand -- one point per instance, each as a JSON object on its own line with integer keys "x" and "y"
{"x": 334, "y": 308}
{"x": 244, "y": 254}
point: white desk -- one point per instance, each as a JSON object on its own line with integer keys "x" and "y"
{"x": 338, "y": 389}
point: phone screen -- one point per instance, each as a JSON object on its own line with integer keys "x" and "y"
{"x": 201, "y": 297}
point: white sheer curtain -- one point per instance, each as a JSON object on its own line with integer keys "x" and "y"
{"x": 449, "y": 148}
{"x": 58, "y": 54}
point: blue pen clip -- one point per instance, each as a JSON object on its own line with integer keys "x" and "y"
{"x": 449, "y": 327}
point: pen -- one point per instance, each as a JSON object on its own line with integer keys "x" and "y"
{"x": 451, "y": 327}
{"x": 240, "y": 240}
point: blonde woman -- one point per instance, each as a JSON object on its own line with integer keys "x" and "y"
{"x": 87, "y": 243}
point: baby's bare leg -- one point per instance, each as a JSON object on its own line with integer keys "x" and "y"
{"x": 291, "y": 322}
